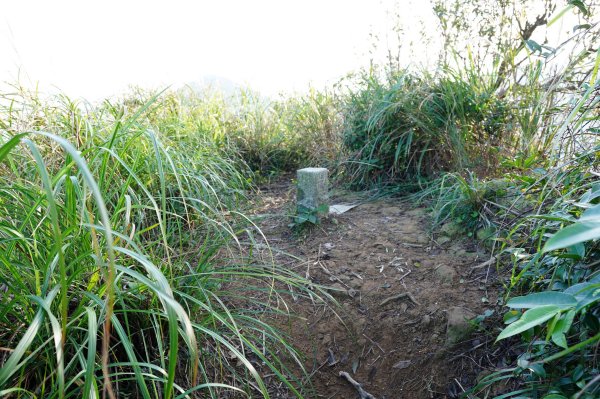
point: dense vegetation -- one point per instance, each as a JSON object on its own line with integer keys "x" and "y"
{"x": 112, "y": 219}
{"x": 126, "y": 219}
{"x": 509, "y": 153}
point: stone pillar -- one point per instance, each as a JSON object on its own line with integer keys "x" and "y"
{"x": 313, "y": 187}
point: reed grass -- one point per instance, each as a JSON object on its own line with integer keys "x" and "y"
{"x": 99, "y": 203}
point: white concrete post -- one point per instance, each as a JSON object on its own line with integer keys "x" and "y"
{"x": 313, "y": 187}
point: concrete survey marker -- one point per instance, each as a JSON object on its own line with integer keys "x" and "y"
{"x": 313, "y": 190}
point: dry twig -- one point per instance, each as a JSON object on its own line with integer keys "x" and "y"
{"x": 404, "y": 275}
{"x": 484, "y": 264}
{"x": 374, "y": 343}
{"x": 363, "y": 394}
{"x": 400, "y": 296}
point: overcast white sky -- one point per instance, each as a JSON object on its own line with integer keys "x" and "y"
{"x": 97, "y": 48}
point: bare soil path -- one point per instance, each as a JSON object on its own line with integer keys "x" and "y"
{"x": 403, "y": 299}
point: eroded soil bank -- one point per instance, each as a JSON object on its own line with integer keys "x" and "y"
{"x": 400, "y": 327}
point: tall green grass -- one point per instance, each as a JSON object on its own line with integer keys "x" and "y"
{"x": 114, "y": 218}
{"x": 267, "y": 135}
{"x": 282, "y": 135}
{"x": 404, "y": 126}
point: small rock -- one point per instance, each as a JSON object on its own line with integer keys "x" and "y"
{"x": 355, "y": 283}
{"x": 458, "y": 327}
{"x": 352, "y": 292}
{"x": 443, "y": 240}
{"x": 460, "y": 252}
{"x": 426, "y": 320}
{"x": 451, "y": 229}
{"x": 421, "y": 239}
{"x": 446, "y": 274}
{"x": 337, "y": 289}
{"x": 402, "y": 364}
{"x": 360, "y": 323}
{"x": 328, "y": 246}
{"x": 344, "y": 358}
{"x": 432, "y": 309}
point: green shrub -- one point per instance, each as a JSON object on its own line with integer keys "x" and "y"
{"x": 410, "y": 126}
{"x": 555, "y": 258}
{"x": 544, "y": 234}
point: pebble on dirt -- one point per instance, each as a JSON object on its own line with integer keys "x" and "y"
{"x": 446, "y": 274}
{"x": 458, "y": 327}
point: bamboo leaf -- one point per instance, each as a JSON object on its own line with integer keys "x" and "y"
{"x": 12, "y": 363}
{"x": 10, "y": 144}
{"x": 532, "y": 318}
{"x": 542, "y": 299}
{"x": 574, "y": 234}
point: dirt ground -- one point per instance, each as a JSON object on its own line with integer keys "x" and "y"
{"x": 400, "y": 327}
